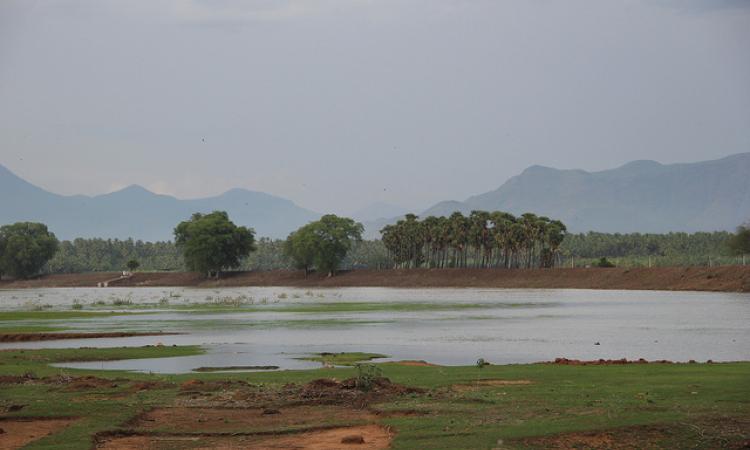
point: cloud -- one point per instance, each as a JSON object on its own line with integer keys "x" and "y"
{"x": 212, "y": 12}
{"x": 161, "y": 187}
{"x": 203, "y": 11}
{"x": 705, "y": 6}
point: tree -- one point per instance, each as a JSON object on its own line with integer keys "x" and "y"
{"x": 301, "y": 248}
{"x": 323, "y": 243}
{"x": 211, "y": 243}
{"x": 133, "y": 265}
{"x": 25, "y": 247}
{"x": 739, "y": 243}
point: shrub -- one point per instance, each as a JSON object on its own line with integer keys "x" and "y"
{"x": 604, "y": 262}
{"x": 366, "y": 375}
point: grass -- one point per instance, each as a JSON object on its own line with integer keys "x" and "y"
{"x": 29, "y": 329}
{"x": 56, "y": 315}
{"x": 343, "y": 359}
{"x": 17, "y": 361}
{"x": 699, "y": 405}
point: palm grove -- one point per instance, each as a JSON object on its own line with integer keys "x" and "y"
{"x": 482, "y": 239}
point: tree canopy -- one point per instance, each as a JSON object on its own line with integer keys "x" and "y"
{"x": 323, "y": 243}
{"x": 739, "y": 243}
{"x": 211, "y": 243}
{"x": 301, "y": 248}
{"x": 25, "y": 247}
{"x": 483, "y": 239}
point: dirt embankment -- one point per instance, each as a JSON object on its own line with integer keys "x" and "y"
{"x": 724, "y": 279}
{"x": 27, "y": 337}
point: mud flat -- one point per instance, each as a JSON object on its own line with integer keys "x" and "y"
{"x": 719, "y": 279}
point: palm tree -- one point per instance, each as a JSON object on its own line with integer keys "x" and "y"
{"x": 490, "y": 239}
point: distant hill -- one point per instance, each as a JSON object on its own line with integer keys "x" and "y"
{"x": 378, "y": 210}
{"x": 138, "y": 213}
{"x": 641, "y": 196}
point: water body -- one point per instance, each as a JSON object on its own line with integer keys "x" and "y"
{"x": 275, "y": 326}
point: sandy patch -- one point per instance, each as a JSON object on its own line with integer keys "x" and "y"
{"x": 367, "y": 437}
{"x": 17, "y": 433}
{"x": 247, "y": 420}
{"x": 412, "y": 363}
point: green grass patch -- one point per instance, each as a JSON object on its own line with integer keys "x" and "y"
{"x": 29, "y": 329}
{"x": 343, "y": 358}
{"x": 16, "y": 362}
{"x": 56, "y": 315}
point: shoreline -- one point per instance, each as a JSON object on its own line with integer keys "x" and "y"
{"x": 713, "y": 279}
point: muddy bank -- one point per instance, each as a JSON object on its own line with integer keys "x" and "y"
{"x": 613, "y": 362}
{"x": 28, "y": 337}
{"x": 721, "y": 279}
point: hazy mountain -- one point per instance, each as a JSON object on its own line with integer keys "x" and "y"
{"x": 378, "y": 210}
{"x": 641, "y": 196}
{"x": 141, "y": 214}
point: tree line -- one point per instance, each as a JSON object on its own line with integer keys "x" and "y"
{"x": 643, "y": 249}
{"x": 482, "y": 239}
{"x": 28, "y": 249}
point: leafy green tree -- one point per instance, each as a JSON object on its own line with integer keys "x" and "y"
{"x": 324, "y": 242}
{"x": 25, "y": 247}
{"x": 133, "y": 264}
{"x": 211, "y": 243}
{"x": 301, "y": 247}
{"x": 739, "y": 243}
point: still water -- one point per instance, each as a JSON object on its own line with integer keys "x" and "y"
{"x": 275, "y": 326}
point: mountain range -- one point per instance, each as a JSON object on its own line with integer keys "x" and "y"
{"x": 641, "y": 196}
{"x": 138, "y": 213}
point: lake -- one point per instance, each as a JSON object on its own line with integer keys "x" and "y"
{"x": 276, "y": 326}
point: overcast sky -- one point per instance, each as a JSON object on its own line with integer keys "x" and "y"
{"x": 336, "y": 104}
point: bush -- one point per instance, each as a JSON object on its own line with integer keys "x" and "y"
{"x": 604, "y": 262}
{"x": 366, "y": 375}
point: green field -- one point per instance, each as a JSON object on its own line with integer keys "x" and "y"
{"x": 653, "y": 406}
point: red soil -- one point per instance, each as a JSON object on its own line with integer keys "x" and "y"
{"x": 25, "y": 337}
{"x": 724, "y": 279}
{"x": 607, "y": 362}
{"x": 17, "y": 433}
{"x": 366, "y": 437}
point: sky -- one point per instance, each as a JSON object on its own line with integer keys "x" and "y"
{"x": 337, "y": 104}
